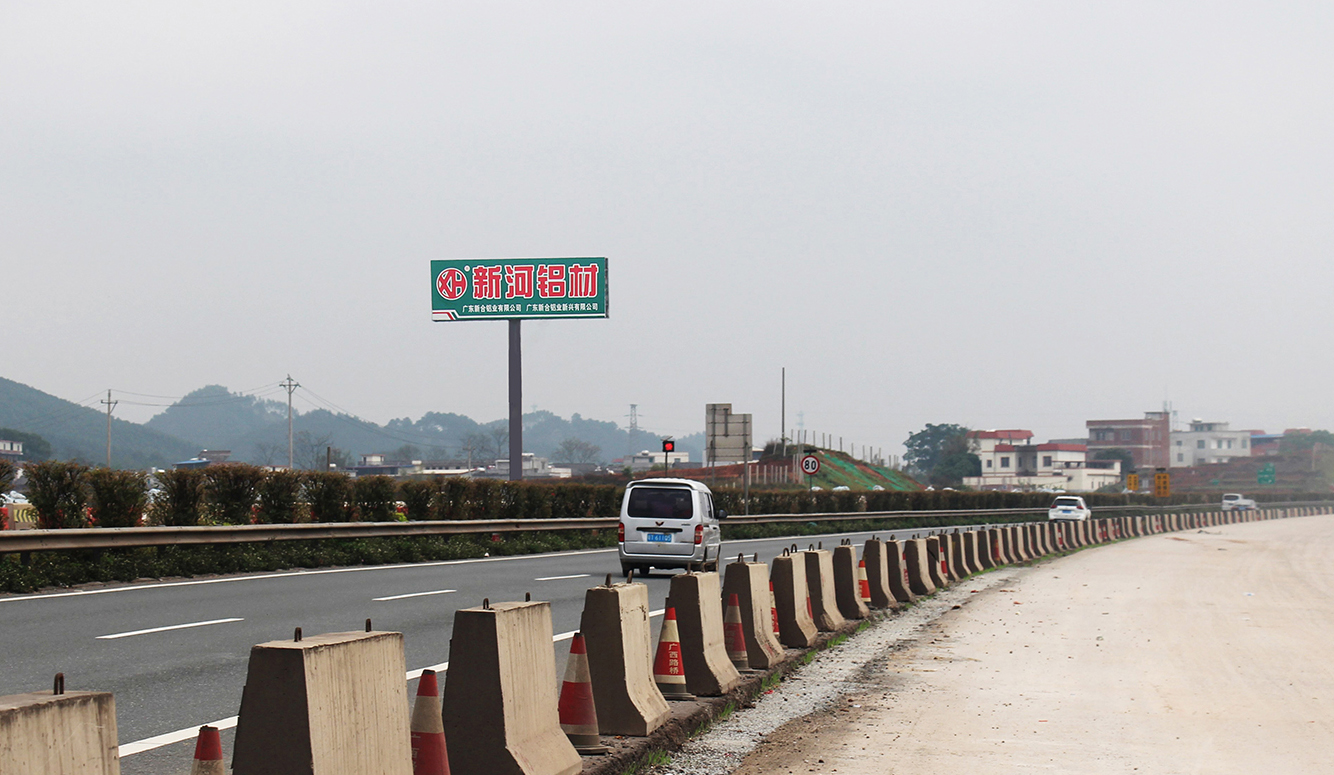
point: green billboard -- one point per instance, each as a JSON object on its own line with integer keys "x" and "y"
{"x": 518, "y": 288}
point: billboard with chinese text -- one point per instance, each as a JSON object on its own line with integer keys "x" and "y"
{"x": 512, "y": 288}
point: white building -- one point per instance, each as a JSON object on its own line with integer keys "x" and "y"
{"x": 533, "y": 467}
{"x": 645, "y": 460}
{"x": 1010, "y": 461}
{"x": 1207, "y": 442}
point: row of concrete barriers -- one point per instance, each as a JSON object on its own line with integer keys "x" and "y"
{"x": 336, "y": 704}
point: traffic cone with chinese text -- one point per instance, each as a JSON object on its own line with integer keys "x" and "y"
{"x": 669, "y": 672}
{"x": 863, "y": 583}
{"x": 208, "y": 753}
{"x": 429, "y": 756}
{"x": 578, "y": 714}
{"x": 734, "y": 636}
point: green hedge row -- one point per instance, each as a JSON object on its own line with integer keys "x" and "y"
{"x": 68, "y": 494}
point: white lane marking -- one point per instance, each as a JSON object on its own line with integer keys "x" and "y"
{"x": 413, "y": 594}
{"x": 561, "y": 578}
{"x": 151, "y": 630}
{"x": 297, "y": 574}
{"x": 181, "y": 735}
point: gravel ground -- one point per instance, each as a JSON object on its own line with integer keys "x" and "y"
{"x": 833, "y": 673}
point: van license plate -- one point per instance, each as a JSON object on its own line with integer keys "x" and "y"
{"x": 659, "y": 538}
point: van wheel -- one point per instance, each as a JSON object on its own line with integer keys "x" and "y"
{"x": 625, "y": 571}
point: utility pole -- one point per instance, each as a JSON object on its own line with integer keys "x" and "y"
{"x": 110, "y": 405}
{"x": 290, "y": 385}
{"x": 783, "y": 425}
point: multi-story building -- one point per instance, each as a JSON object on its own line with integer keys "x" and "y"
{"x": 1208, "y": 442}
{"x": 1146, "y": 439}
{"x": 11, "y": 450}
{"x": 1010, "y": 461}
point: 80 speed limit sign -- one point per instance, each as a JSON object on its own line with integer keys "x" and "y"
{"x": 810, "y": 465}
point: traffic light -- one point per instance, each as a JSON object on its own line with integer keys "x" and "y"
{"x": 668, "y": 445}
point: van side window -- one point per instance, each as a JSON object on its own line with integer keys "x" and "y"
{"x": 708, "y": 507}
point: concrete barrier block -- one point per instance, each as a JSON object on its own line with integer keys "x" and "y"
{"x": 877, "y": 574}
{"x": 919, "y": 567}
{"x": 933, "y": 558}
{"x": 973, "y": 539}
{"x": 333, "y": 704}
{"x": 796, "y": 628}
{"x": 58, "y": 734}
{"x": 619, "y": 639}
{"x": 820, "y": 581}
{"x": 988, "y": 548}
{"x": 896, "y": 559}
{"x": 699, "y": 615}
{"x": 847, "y": 586}
{"x": 959, "y": 555}
{"x": 749, "y": 581}
{"x": 500, "y": 703}
{"x": 1009, "y": 551}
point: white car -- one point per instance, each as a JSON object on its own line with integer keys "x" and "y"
{"x": 1235, "y": 501}
{"x": 14, "y": 498}
{"x": 1068, "y": 507}
{"x": 668, "y": 523}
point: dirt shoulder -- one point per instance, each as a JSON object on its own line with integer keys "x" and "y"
{"x": 1185, "y": 653}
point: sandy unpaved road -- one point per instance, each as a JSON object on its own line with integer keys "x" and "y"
{"x": 1199, "y": 652}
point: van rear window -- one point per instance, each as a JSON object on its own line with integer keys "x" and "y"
{"x": 660, "y": 503}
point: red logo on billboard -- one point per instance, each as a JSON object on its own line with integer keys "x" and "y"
{"x": 451, "y": 284}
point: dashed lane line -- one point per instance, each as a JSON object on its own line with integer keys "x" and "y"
{"x": 168, "y": 628}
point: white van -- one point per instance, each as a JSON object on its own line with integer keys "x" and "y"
{"x": 668, "y": 523}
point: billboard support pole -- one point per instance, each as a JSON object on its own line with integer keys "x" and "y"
{"x": 516, "y": 403}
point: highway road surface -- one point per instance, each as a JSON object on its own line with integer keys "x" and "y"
{"x": 175, "y": 652}
{"x": 1197, "y": 652}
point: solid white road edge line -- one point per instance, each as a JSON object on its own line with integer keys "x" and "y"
{"x": 413, "y": 594}
{"x": 181, "y": 735}
{"x": 151, "y": 630}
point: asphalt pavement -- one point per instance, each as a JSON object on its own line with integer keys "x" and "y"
{"x": 174, "y": 653}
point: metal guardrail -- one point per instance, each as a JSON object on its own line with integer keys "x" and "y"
{"x": 133, "y": 537}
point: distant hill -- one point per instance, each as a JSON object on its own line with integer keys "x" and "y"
{"x": 255, "y": 430}
{"x": 78, "y": 432}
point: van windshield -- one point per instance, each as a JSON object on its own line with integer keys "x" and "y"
{"x": 660, "y": 503}
{"x": 1068, "y": 502}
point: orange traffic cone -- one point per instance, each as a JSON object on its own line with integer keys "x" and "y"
{"x": 429, "y": 756}
{"x": 208, "y": 753}
{"x": 734, "y": 637}
{"x": 669, "y": 672}
{"x": 773, "y": 606}
{"x": 578, "y": 714}
{"x": 863, "y": 583}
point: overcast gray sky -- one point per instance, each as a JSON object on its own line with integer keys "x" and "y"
{"x": 999, "y": 214}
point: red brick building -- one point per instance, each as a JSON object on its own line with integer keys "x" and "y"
{"x": 1146, "y": 439}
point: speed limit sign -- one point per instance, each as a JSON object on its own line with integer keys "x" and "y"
{"x": 810, "y": 465}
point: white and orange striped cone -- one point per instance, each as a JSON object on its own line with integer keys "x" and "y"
{"x": 734, "y": 636}
{"x": 429, "y": 755}
{"x": 208, "y": 753}
{"x": 669, "y": 671}
{"x": 863, "y": 583}
{"x": 578, "y": 714}
{"x": 773, "y": 607}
